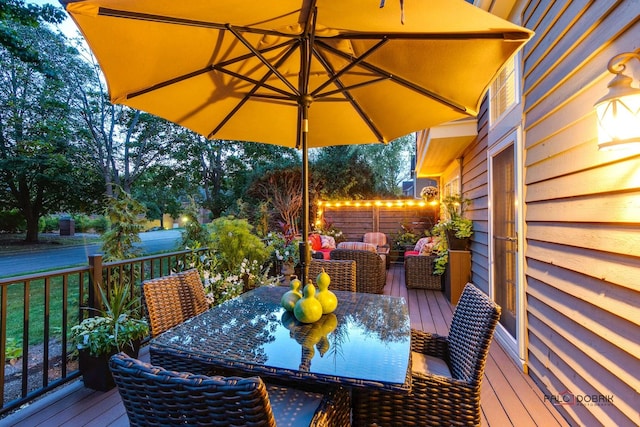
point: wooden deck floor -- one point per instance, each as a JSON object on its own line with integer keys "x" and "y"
{"x": 509, "y": 397}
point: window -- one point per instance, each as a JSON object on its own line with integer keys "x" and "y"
{"x": 504, "y": 92}
{"x": 452, "y": 187}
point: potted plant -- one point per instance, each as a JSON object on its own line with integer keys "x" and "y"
{"x": 285, "y": 248}
{"x": 404, "y": 240}
{"x": 117, "y": 328}
{"x": 454, "y": 231}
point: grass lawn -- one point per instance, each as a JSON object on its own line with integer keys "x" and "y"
{"x": 37, "y": 311}
{"x": 12, "y": 243}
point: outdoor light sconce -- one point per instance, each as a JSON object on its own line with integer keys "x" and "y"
{"x": 618, "y": 112}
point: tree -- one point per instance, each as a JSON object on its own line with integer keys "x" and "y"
{"x": 283, "y": 190}
{"x": 123, "y": 142}
{"x": 159, "y": 189}
{"x": 224, "y": 170}
{"x": 40, "y": 171}
{"x": 391, "y": 163}
{"x": 343, "y": 172}
{"x": 125, "y": 226}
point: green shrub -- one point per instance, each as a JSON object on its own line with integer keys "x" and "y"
{"x": 12, "y": 221}
{"x": 232, "y": 240}
{"x": 82, "y": 223}
{"x": 99, "y": 224}
{"x": 48, "y": 224}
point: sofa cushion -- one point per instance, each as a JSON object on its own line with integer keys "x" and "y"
{"x": 316, "y": 241}
{"x": 325, "y": 253}
{"x": 426, "y": 364}
{"x": 359, "y": 246}
{"x": 411, "y": 253}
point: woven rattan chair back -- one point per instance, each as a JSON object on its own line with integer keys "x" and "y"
{"x": 154, "y": 396}
{"x": 470, "y": 334}
{"x": 170, "y": 300}
{"x": 342, "y": 273}
{"x": 370, "y": 269}
{"x": 437, "y": 400}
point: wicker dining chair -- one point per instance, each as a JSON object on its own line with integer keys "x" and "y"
{"x": 341, "y": 272}
{"x": 154, "y": 396}
{"x": 446, "y": 372}
{"x": 370, "y": 269}
{"x": 170, "y": 300}
{"x": 418, "y": 272}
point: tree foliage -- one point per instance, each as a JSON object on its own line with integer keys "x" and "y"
{"x": 125, "y": 225}
{"x": 282, "y": 189}
{"x": 14, "y": 14}
{"x": 123, "y": 143}
{"x": 40, "y": 171}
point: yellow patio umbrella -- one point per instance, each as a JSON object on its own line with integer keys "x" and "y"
{"x": 298, "y": 73}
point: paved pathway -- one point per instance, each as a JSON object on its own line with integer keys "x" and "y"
{"x": 70, "y": 256}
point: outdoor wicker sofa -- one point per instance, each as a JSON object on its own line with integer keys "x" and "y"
{"x": 446, "y": 372}
{"x": 154, "y": 396}
{"x": 170, "y": 300}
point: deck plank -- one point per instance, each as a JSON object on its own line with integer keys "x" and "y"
{"x": 509, "y": 397}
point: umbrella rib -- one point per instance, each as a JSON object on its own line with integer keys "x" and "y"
{"x": 252, "y": 92}
{"x": 251, "y": 54}
{"x": 321, "y": 96}
{"x": 262, "y": 58}
{"x": 169, "y": 82}
{"x": 508, "y": 35}
{"x": 256, "y": 82}
{"x": 400, "y": 80}
{"x": 350, "y": 98}
{"x": 349, "y": 66}
{"x": 124, "y": 14}
{"x": 217, "y": 67}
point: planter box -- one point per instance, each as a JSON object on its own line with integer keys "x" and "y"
{"x": 456, "y": 244}
{"x": 95, "y": 370}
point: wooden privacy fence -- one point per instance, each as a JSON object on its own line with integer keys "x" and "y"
{"x": 354, "y": 218}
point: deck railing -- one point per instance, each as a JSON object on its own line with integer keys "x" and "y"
{"x": 37, "y": 312}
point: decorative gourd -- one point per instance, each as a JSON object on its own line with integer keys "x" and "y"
{"x": 329, "y": 324}
{"x": 291, "y": 297}
{"x": 327, "y": 299}
{"x": 308, "y": 309}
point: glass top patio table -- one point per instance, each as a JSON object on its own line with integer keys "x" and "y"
{"x": 365, "y": 343}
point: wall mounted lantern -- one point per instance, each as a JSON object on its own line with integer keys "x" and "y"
{"x": 618, "y": 112}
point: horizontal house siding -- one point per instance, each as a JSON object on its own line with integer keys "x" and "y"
{"x": 475, "y": 188}
{"x": 582, "y": 213}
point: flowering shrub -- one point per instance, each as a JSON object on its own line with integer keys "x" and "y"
{"x": 284, "y": 248}
{"x": 221, "y": 286}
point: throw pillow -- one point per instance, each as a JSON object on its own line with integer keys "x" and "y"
{"x": 420, "y": 244}
{"x": 328, "y": 242}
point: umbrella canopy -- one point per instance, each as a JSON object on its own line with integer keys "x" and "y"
{"x": 298, "y": 73}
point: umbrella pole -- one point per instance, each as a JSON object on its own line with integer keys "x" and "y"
{"x": 304, "y": 245}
